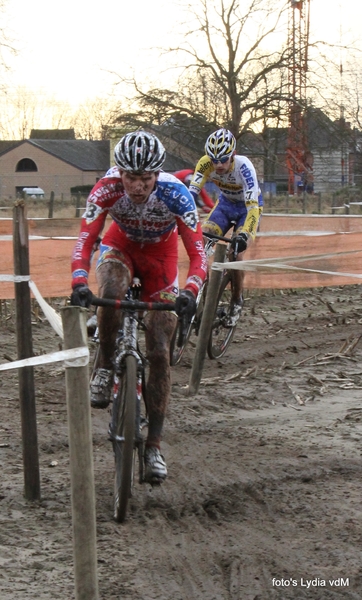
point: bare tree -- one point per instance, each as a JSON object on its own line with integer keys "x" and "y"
{"x": 94, "y": 118}
{"x": 230, "y": 77}
{"x": 23, "y": 110}
{"x": 7, "y": 44}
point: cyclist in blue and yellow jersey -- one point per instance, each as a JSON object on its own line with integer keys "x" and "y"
{"x": 203, "y": 201}
{"x": 240, "y": 199}
{"x": 148, "y": 208}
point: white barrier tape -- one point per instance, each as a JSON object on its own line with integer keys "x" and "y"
{"x": 15, "y": 278}
{"x": 304, "y": 257}
{"x": 52, "y": 316}
{"x": 301, "y": 216}
{"x": 269, "y": 266}
{"x": 334, "y": 273}
{"x": 81, "y": 359}
{"x": 301, "y": 258}
{"x": 296, "y": 233}
{"x": 266, "y": 261}
{"x": 74, "y": 357}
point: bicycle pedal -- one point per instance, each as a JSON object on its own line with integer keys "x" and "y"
{"x": 143, "y": 423}
{"x": 154, "y": 482}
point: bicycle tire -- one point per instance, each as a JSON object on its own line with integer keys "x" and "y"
{"x": 124, "y": 437}
{"x": 220, "y": 335}
{"x": 177, "y": 350}
{"x": 95, "y": 361}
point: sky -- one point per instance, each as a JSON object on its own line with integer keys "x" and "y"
{"x": 68, "y": 49}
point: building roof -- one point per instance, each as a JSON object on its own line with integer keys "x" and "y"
{"x": 176, "y": 163}
{"x": 6, "y": 145}
{"x": 86, "y": 155}
{"x": 52, "y": 134}
{"x": 323, "y": 134}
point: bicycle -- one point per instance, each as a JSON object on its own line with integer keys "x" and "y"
{"x": 221, "y": 333}
{"x": 129, "y": 402}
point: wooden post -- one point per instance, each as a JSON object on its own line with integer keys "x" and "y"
{"x": 208, "y": 314}
{"x": 51, "y": 205}
{"x": 319, "y": 202}
{"x": 77, "y": 204}
{"x": 81, "y": 458}
{"x": 333, "y": 203}
{"x": 25, "y": 350}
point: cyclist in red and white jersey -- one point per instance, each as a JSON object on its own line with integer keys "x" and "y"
{"x": 240, "y": 199}
{"x": 148, "y": 208}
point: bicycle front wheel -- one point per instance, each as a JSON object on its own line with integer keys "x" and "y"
{"x": 179, "y": 342}
{"x": 123, "y": 436}
{"x": 221, "y": 334}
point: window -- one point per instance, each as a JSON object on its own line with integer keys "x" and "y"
{"x": 26, "y": 164}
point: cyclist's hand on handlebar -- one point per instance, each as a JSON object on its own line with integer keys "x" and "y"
{"x": 81, "y": 296}
{"x": 185, "y": 304}
{"x": 239, "y": 243}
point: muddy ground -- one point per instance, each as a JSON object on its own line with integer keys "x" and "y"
{"x": 263, "y": 498}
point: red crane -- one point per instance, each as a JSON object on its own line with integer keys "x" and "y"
{"x": 299, "y": 161}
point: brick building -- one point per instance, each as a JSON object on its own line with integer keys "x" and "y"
{"x": 55, "y": 162}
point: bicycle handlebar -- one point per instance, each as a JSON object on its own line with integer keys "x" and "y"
{"x": 132, "y": 304}
{"x": 213, "y": 236}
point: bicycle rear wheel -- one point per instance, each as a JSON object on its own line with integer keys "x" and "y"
{"x": 123, "y": 436}
{"x": 221, "y": 335}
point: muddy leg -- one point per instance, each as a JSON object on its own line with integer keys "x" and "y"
{"x": 160, "y": 328}
{"x": 113, "y": 280}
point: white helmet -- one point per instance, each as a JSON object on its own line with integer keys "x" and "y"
{"x": 138, "y": 152}
{"x": 220, "y": 143}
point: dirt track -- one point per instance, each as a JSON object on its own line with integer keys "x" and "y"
{"x": 265, "y": 466}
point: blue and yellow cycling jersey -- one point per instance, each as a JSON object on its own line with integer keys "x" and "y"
{"x": 239, "y": 185}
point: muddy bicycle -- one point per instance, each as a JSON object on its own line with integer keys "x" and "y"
{"x": 128, "y": 402}
{"x": 222, "y": 332}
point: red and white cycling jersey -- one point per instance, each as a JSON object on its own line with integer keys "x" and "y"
{"x": 169, "y": 206}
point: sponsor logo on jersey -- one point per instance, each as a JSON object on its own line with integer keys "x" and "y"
{"x": 250, "y": 180}
{"x": 78, "y": 249}
{"x": 204, "y": 166}
{"x": 251, "y": 224}
{"x": 230, "y": 187}
{"x": 169, "y": 296}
